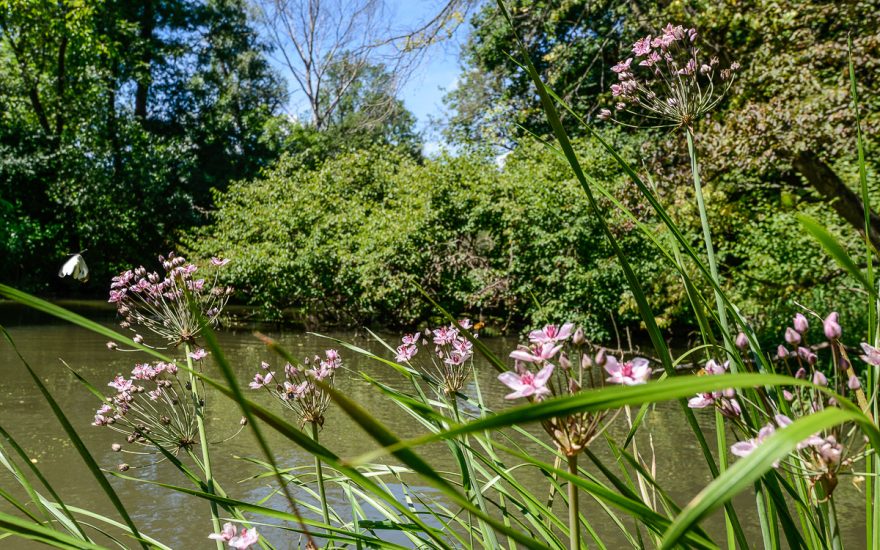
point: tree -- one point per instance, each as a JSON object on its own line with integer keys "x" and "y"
{"x": 327, "y": 46}
{"x": 117, "y": 117}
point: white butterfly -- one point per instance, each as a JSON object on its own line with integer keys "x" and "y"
{"x": 75, "y": 267}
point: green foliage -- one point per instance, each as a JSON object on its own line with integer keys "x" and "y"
{"x": 346, "y": 240}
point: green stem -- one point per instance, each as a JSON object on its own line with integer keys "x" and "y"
{"x": 574, "y": 528}
{"x": 707, "y": 237}
{"x": 203, "y": 442}
{"x": 320, "y": 473}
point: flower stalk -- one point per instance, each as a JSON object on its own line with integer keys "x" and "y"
{"x": 203, "y": 442}
{"x": 319, "y": 473}
{"x": 574, "y": 531}
{"x": 707, "y": 234}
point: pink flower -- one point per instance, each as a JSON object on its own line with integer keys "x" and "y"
{"x": 742, "y": 341}
{"x": 198, "y": 354}
{"x": 714, "y": 368}
{"x": 120, "y": 383}
{"x": 537, "y": 353}
{"x": 871, "y": 356}
{"x": 261, "y": 381}
{"x": 143, "y": 372}
{"x": 643, "y": 46}
{"x": 628, "y": 373}
{"x": 219, "y": 262}
{"x": 551, "y": 333}
{"x": 405, "y": 353}
{"x": 527, "y": 384}
{"x": 410, "y": 339}
{"x": 702, "y": 400}
{"x": 792, "y": 336}
{"x": 622, "y": 66}
{"x": 248, "y": 538}
{"x": 444, "y": 335}
{"x": 604, "y": 114}
{"x": 745, "y": 448}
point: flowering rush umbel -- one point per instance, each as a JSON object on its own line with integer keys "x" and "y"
{"x": 169, "y": 304}
{"x": 296, "y": 388}
{"x": 668, "y": 79}
{"x": 823, "y": 456}
{"x": 450, "y": 355}
{"x": 153, "y": 404}
{"x": 557, "y": 362}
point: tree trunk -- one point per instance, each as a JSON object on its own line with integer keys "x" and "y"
{"x": 146, "y": 42}
{"x": 841, "y": 198}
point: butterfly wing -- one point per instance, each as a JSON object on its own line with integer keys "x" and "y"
{"x": 68, "y": 267}
{"x": 81, "y": 271}
{"x": 75, "y": 267}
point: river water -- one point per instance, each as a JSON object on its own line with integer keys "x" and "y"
{"x": 183, "y": 522}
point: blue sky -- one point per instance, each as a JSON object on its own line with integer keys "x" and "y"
{"x": 437, "y": 74}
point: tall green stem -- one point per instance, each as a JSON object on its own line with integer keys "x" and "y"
{"x": 320, "y": 473}
{"x": 203, "y": 442}
{"x": 574, "y": 527}
{"x": 707, "y": 234}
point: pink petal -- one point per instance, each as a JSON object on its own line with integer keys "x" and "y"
{"x": 523, "y": 355}
{"x": 543, "y": 375}
{"x": 511, "y": 380}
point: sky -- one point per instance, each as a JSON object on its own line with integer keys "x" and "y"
{"x": 438, "y": 72}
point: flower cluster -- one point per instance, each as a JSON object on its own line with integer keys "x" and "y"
{"x": 675, "y": 84}
{"x": 230, "y": 536}
{"x": 298, "y": 390}
{"x": 171, "y": 305}
{"x": 451, "y": 356}
{"x": 821, "y": 457}
{"x": 153, "y": 407}
{"x": 562, "y": 366}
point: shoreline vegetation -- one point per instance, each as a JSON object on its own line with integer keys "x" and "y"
{"x": 575, "y": 229}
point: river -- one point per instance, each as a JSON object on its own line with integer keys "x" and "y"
{"x": 183, "y": 522}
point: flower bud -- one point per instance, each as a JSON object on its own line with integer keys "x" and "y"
{"x": 787, "y": 395}
{"x": 243, "y": 421}
{"x": 800, "y": 323}
{"x": 832, "y": 326}
{"x": 116, "y": 447}
{"x": 854, "y": 383}
{"x": 742, "y": 342}
{"x": 111, "y": 346}
{"x": 586, "y": 362}
{"x": 600, "y": 357}
{"x": 801, "y": 373}
{"x": 781, "y": 352}
{"x": 564, "y": 362}
{"x": 123, "y": 467}
{"x": 578, "y": 339}
{"x": 792, "y": 336}
{"x": 819, "y": 379}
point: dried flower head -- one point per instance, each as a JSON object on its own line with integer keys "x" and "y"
{"x": 667, "y": 80}
{"x": 169, "y": 305}
{"x": 297, "y": 390}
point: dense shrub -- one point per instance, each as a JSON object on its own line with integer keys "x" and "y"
{"x": 345, "y": 241}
